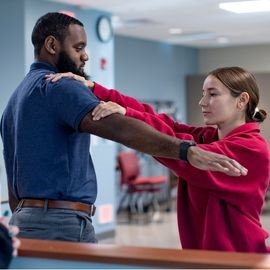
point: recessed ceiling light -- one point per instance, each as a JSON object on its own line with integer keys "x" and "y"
{"x": 175, "y": 31}
{"x": 246, "y": 6}
{"x": 222, "y": 40}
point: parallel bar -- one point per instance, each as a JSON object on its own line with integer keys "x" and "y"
{"x": 141, "y": 256}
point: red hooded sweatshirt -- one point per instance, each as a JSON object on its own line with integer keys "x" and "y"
{"x": 215, "y": 211}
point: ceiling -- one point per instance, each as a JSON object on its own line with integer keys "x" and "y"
{"x": 202, "y": 23}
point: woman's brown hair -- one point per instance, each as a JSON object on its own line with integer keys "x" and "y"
{"x": 239, "y": 80}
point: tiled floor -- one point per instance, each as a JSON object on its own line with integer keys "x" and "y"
{"x": 162, "y": 234}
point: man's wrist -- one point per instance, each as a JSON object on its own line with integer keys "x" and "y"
{"x": 183, "y": 149}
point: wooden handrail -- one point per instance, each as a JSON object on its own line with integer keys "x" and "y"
{"x": 141, "y": 256}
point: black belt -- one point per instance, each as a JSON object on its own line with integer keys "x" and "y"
{"x": 90, "y": 209}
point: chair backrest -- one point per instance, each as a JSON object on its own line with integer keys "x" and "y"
{"x": 129, "y": 166}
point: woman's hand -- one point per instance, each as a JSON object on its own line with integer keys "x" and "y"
{"x": 107, "y": 108}
{"x": 13, "y": 231}
{"x": 205, "y": 160}
{"x": 57, "y": 76}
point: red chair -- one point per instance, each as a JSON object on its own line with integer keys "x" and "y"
{"x": 129, "y": 166}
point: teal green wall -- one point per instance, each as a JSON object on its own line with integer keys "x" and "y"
{"x": 151, "y": 70}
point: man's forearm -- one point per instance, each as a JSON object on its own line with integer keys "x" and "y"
{"x": 138, "y": 135}
{"x": 133, "y": 133}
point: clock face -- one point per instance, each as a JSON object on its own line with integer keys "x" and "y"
{"x": 104, "y": 29}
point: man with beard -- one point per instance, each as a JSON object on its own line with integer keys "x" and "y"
{"x": 45, "y": 130}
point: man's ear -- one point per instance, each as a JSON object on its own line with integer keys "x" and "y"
{"x": 243, "y": 100}
{"x": 51, "y": 44}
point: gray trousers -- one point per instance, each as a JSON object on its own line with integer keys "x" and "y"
{"x": 54, "y": 224}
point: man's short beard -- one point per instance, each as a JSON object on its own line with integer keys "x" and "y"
{"x": 65, "y": 64}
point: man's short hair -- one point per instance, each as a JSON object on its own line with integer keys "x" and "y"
{"x": 54, "y": 24}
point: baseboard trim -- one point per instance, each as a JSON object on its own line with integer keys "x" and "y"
{"x": 105, "y": 235}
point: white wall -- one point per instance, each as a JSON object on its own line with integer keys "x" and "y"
{"x": 254, "y": 58}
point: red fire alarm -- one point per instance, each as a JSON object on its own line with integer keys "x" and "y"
{"x": 103, "y": 63}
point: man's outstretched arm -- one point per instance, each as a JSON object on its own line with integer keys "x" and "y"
{"x": 138, "y": 135}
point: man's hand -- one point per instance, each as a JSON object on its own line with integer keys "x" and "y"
{"x": 206, "y": 160}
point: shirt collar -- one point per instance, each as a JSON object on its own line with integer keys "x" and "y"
{"x": 251, "y": 126}
{"x": 43, "y": 65}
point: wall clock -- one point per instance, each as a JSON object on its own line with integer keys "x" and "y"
{"x": 104, "y": 29}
